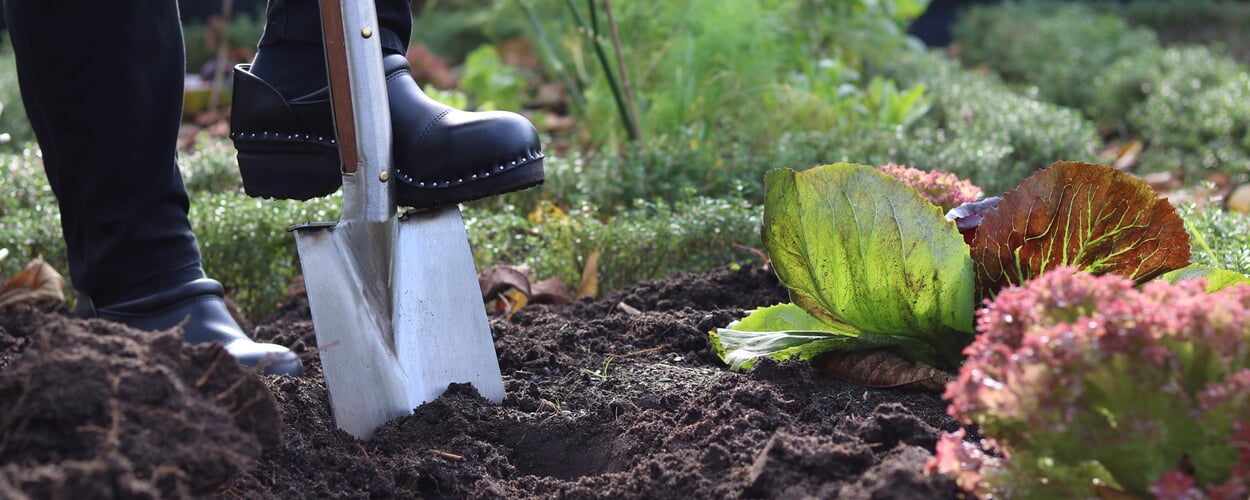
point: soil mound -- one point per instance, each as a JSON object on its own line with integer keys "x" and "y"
{"x": 94, "y": 409}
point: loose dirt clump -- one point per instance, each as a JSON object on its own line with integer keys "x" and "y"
{"x": 614, "y": 398}
{"x": 95, "y": 409}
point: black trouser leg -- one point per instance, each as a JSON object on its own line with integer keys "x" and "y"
{"x": 102, "y": 85}
{"x": 291, "y": 55}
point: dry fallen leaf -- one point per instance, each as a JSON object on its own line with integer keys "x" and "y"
{"x": 550, "y": 291}
{"x": 589, "y": 287}
{"x": 880, "y": 368}
{"x": 38, "y": 282}
{"x": 495, "y": 280}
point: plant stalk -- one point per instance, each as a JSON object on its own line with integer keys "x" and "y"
{"x": 620, "y": 65}
{"x": 575, "y": 92}
{"x": 613, "y": 83}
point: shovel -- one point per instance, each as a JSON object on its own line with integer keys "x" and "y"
{"x": 395, "y": 301}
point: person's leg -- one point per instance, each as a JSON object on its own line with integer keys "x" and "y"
{"x": 102, "y": 86}
{"x": 283, "y": 129}
{"x": 103, "y": 90}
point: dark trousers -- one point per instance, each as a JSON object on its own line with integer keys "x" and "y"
{"x": 102, "y": 85}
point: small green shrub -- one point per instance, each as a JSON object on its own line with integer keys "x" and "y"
{"x": 1220, "y": 24}
{"x": 29, "y": 233}
{"x": 25, "y": 185}
{"x": 1057, "y": 47}
{"x": 13, "y": 119}
{"x": 979, "y": 129}
{"x": 1220, "y": 239}
{"x": 1126, "y": 83}
{"x": 652, "y": 240}
{"x": 244, "y": 243}
{"x": 1197, "y": 130}
{"x": 211, "y": 167}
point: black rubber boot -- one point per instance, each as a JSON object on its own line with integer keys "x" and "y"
{"x": 442, "y": 155}
{"x": 199, "y": 309}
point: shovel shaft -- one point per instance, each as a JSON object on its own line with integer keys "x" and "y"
{"x": 361, "y": 117}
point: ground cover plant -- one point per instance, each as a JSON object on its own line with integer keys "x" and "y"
{"x": 1187, "y": 103}
{"x": 1088, "y": 385}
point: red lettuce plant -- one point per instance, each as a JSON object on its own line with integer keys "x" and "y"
{"x": 942, "y": 189}
{"x": 1089, "y": 384}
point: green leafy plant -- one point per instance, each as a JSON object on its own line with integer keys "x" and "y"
{"x": 978, "y": 129}
{"x": 491, "y": 83}
{"x": 13, "y": 119}
{"x": 1090, "y": 386}
{"x": 1057, "y": 47}
{"x": 870, "y": 263}
{"x": 1221, "y": 239}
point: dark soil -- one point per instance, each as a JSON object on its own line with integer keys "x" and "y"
{"x": 600, "y": 403}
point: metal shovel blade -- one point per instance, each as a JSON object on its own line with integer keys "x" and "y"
{"x": 398, "y": 315}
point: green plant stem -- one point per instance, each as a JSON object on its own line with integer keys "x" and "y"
{"x": 613, "y": 83}
{"x": 620, "y": 64}
{"x": 575, "y": 92}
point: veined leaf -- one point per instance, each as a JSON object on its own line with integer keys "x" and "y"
{"x": 781, "y": 331}
{"x": 862, "y": 251}
{"x": 1078, "y": 214}
{"x": 784, "y": 331}
{"x": 1217, "y": 279}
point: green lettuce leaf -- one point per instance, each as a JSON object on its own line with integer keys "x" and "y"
{"x": 784, "y": 331}
{"x": 1093, "y": 217}
{"x": 1217, "y": 279}
{"x": 863, "y": 252}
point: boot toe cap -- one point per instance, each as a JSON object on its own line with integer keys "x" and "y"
{"x": 269, "y": 359}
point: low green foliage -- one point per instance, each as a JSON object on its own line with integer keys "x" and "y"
{"x": 210, "y": 167}
{"x": 1058, "y": 47}
{"x": 29, "y": 233}
{"x": 25, "y": 185}
{"x": 1221, "y": 239}
{"x": 978, "y": 129}
{"x": 490, "y": 83}
{"x": 1220, "y": 24}
{"x": 1190, "y": 105}
{"x": 1197, "y": 130}
{"x": 652, "y": 240}
{"x": 245, "y": 245}
{"x": 12, "y": 115}
{"x": 1126, "y": 83}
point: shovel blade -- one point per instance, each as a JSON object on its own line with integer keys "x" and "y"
{"x": 398, "y": 315}
{"x": 442, "y": 334}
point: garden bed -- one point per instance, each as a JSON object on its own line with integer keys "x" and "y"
{"x": 600, "y": 403}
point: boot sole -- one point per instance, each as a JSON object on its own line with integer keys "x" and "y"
{"x": 295, "y": 171}
{"x": 523, "y": 176}
{"x": 290, "y": 171}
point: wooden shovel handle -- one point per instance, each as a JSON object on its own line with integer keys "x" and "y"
{"x": 340, "y": 84}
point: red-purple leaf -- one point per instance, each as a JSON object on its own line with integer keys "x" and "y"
{"x": 1078, "y": 214}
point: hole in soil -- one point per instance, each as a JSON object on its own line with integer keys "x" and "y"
{"x": 565, "y": 452}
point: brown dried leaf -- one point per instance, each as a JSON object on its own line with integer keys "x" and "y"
{"x": 589, "y": 287}
{"x": 550, "y": 291}
{"x": 38, "y": 282}
{"x": 495, "y": 280}
{"x": 880, "y": 368}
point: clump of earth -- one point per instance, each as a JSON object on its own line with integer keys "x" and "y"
{"x": 619, "y": 397}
